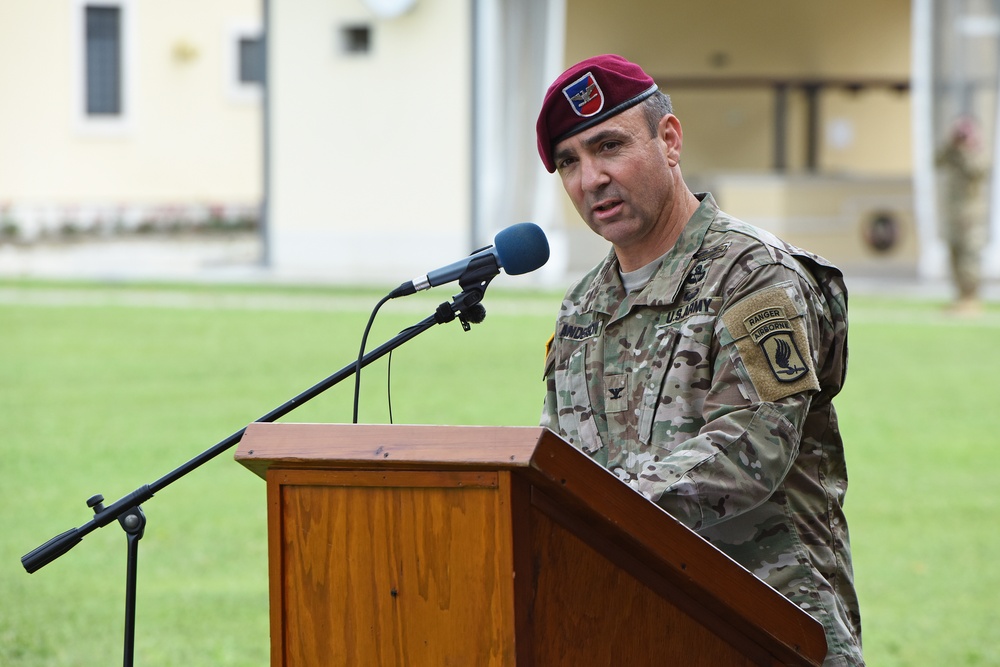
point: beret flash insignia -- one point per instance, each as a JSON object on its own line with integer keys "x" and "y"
{"x": 585, "y": 96}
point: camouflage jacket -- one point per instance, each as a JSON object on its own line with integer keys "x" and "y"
{"x": 709, "y": 392}
{"x": 964, "y": 222}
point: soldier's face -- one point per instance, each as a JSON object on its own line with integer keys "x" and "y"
{"x": 621, "y": 179}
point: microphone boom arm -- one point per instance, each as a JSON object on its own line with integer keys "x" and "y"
{"x": 465, "y": 306}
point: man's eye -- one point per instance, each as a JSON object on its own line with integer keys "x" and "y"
{"x": 565, "y": 162}
{"x": 610, "y": 145}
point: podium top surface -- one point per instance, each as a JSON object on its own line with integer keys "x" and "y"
{"x": 333, "y": 445}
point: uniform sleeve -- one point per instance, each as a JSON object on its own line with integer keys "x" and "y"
{"x": 550, "y": 418}
{"x": 767, "y": 347}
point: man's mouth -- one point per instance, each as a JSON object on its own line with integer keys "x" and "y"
{"x": 606, "y": 205}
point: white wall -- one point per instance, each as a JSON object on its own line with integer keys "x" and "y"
{"x": 370, "y": 154}
{"x": 187, "y": 136}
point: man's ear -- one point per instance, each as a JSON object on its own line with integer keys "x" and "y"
{"x": 670, "y": 132}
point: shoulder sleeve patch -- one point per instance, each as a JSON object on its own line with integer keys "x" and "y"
{"x": 549, "y": 359}
{"x": 770, "y": 335}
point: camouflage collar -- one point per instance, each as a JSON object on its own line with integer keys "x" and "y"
{"x": 607, "y": 294}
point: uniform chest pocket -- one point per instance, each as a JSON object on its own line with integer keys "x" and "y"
{"x": 650, "y": 380}
{"x": 578, "y": 412}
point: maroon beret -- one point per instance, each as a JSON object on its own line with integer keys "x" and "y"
{"x": 586, "y": 94}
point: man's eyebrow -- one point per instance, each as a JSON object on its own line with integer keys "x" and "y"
{"x": 602, "y": 136}
{"x": 562, "y": 153}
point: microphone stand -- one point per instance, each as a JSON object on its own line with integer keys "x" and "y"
{"x": 127, "y": 511}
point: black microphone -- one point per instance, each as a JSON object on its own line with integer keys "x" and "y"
{"x": 518, "y": 249}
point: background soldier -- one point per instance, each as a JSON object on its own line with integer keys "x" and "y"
{"x": 965, "y": 228}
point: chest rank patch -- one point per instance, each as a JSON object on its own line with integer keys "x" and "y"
{"x": 616, "y": 399}
{"x": 771, "y": 338}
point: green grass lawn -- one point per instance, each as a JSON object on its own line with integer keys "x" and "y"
{"x": 104, "y": 389}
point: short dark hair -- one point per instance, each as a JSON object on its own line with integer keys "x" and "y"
{"x": 656, "y": 107}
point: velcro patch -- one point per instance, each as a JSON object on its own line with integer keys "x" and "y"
{"x": 703, "y": 306}
{"x": 580, "y": 331}
{"x": 617, "y": 398}
{"x": 783, "y": 356}
{"x": 770, "y": 334}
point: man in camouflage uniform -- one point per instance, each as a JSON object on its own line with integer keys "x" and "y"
{"x": 699, "y": 361}
{"x": 965, "y": 227}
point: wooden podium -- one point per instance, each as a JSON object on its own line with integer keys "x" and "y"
{"x": 473, "y": 546}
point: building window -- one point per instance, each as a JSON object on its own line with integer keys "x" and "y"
{"x": 103, "y": 58}
{"x": 355, "y": 39}
{"x": 103, "y": 42}
{"x": 251, "y": 59}
{"x": 246, "y": 62}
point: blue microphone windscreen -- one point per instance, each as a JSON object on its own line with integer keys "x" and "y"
{"x": 522, "y": 248}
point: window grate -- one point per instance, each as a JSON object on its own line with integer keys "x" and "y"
{"x": 103, "y": 61}
{"x": 251, "y": 59}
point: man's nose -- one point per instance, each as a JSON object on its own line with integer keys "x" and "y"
{"x": 593, "y": 175}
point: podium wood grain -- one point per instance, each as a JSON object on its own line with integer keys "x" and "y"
{"x": 424, "y": 545}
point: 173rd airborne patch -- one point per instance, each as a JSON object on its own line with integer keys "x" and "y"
{"x": 769, "y": 330}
